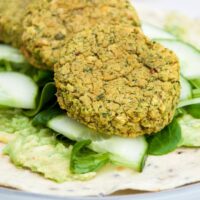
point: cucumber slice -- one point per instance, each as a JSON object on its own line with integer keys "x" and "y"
{"x": 186, "y": 89}
{"x": 154, "y": 32}
{"x": 188, "y": 55}
{"x": 129, "y": 152}
{"x": 11, "y": 54}
{"x": 188, "y": 102}
{"x": 17, "y": 90}
{"x": 190, "y": 130}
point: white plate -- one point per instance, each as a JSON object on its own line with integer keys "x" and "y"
{"x": 184, "y": 193}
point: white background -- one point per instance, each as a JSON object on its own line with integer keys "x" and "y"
{"x": 188, "y": 7}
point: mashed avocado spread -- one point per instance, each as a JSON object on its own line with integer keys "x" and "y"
{"x": 12, "y": 121}
{"x": 38, "y": 149}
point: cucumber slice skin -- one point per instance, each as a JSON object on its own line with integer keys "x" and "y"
{"x": 188, "y": 55}
{"x": 17, "y": 90}
{"x": 154, "y": 32}
{"x": 186, "y": 89}
{"x": 11, "y": 54}
{"x": 127, "y": 152}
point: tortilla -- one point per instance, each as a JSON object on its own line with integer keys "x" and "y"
{"x": 163, "y": 172}
{"x": 160, "y": 173}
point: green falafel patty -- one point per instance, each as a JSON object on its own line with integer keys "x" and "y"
{"x": 50, "y": 24}
{"x": 117, "y": 81}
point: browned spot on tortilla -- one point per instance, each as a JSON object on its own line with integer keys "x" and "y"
{"x": 120, "y": 168}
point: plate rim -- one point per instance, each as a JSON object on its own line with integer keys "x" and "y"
{"x": 191, "y": 191}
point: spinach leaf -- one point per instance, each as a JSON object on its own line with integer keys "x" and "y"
{"x": 193, "y": 110}
{"x": 42, "y": 77}
{"x": 180, "y": 112}
{"x": 43, "y": 117}
{"x": 166, "y": 140}
{"x": 84, "y": 160}
{"x": 47, "y": 96}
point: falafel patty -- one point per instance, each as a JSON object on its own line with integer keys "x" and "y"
{"x": 49, "y": 25}
{"x": 117, "y": 81}
{"x": 11, "y": 16}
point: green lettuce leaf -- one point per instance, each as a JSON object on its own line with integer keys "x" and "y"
{"x": 84, "y": 160}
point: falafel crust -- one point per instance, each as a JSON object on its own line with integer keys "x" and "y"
{"x": 11, "y": 16}
{"x": 116, "y": 81}
{"x": 49, "y": 25}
